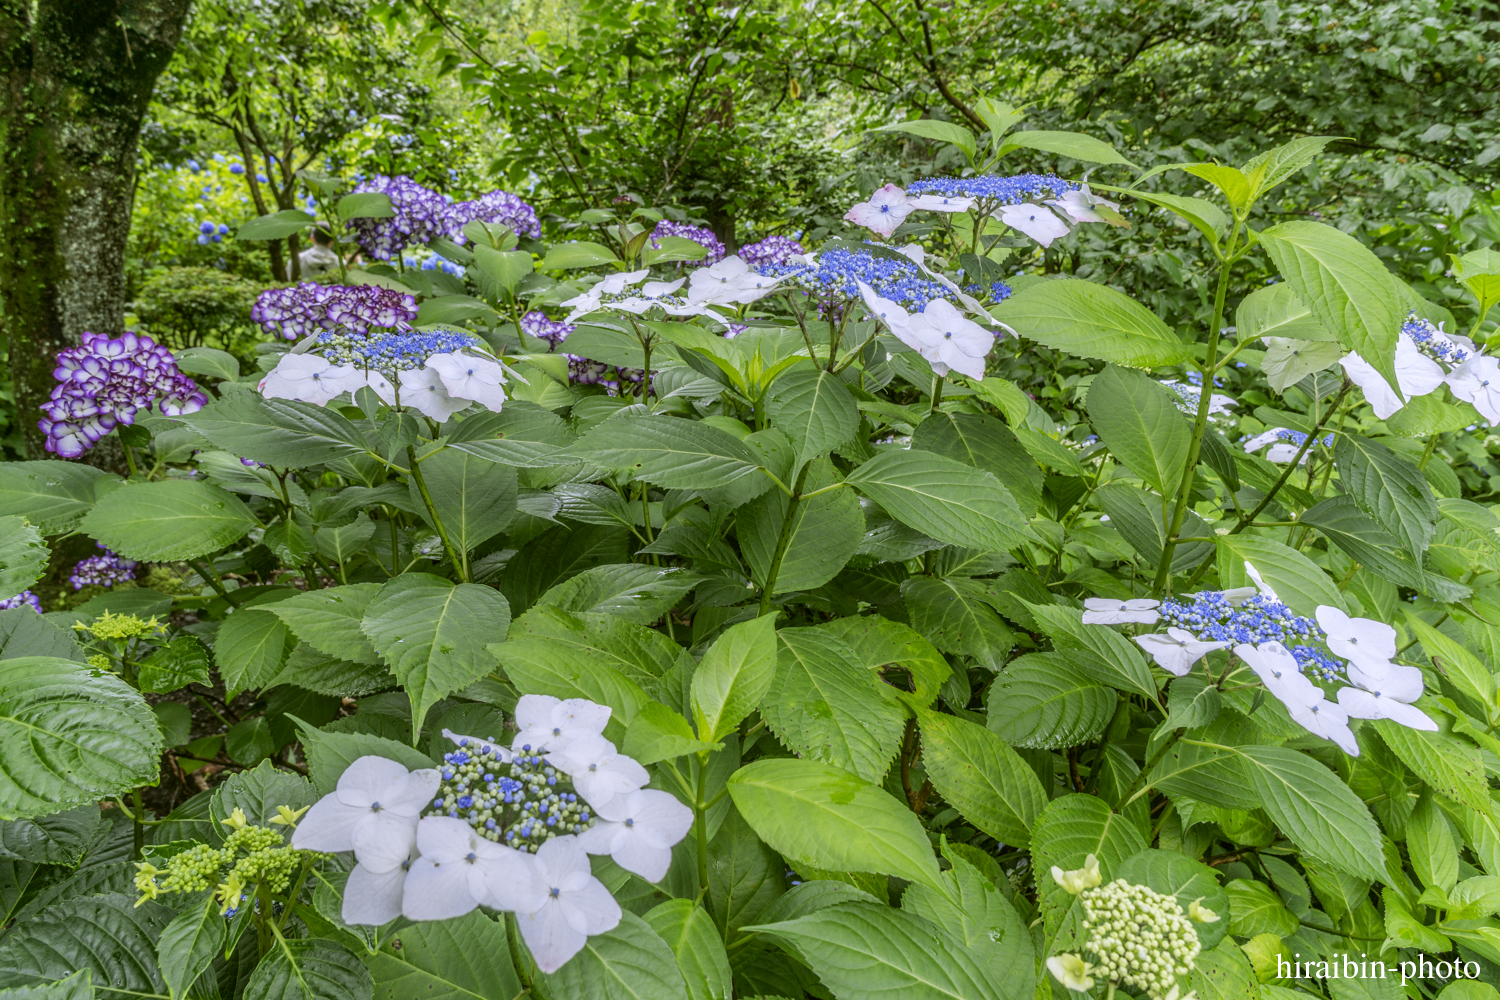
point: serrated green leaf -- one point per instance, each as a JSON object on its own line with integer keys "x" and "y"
{"x": 167, "y": 520}
{"x": 814, "y": 409}
{"x": 328, "y": 620}
{"x": 433, "y": 635}
{"x": 939, "y": 131}
{"x": 1139, "y": 421}
{"x": 465, "y": 958}
{"x": 735, "y": 675}
{"x": 822, "y": 816}
{"x": 1350, "y": 292}
{"x": 474, "y": 498}
{"x": 106, "y": 934}
{"x": 1097, "y": 650}
{"x": 984, "y": 443}
{"x": 276, "y": 226}
{"x": 880, "y": 645}
{"x": 955, "y": 616}
{"x": 635, "y": 592}
{"x": 825, "y": 534}
{"x": 1254, "y": 908}
{"x": 659, "y": 733}
{"x": 536, "y": 666}
{"x": 668, "y": 451}
{"x": 1297, "y": 580}
{"x": 566, "y": 256}
{"x": 70, "y": 735}
{"x": 944, "y": 499}
{"x": 631, "y": 962}
{"x": 825, "y": 705}
{"x": 1041, "y": 702}
{"x": 52, "y": 495}
{"x": 863, "y": 950}
{"x": 1315, "y": 810}
{"x": 1448, "y": 767}
{"x": 258, "y": 792}
{"x": 329, "y": 754}
{"x": 1340, "y": 519}
{"x": 690, "y": 932}
{"x": 1074, "y": 145}
{"x": 522, "y": 434}
{"x": 278, "y": 432}
{"x": 188, "y": 944}
{"x": 981, "y": 777}
{"x": 174, "y": 666}
{"x": 316, "y": 969}
{"x": 640, "y": 653}
{"x": 1177, "y": 875}
{"x": 1067, "y": 832}
{"x": 1091, "y": 321}
{"x": 1275, "y": 311}
{"x": 1389, "y": 488}
{"x": 23, "y": 555}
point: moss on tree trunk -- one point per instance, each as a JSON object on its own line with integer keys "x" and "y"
{"x": 76, "y": 78}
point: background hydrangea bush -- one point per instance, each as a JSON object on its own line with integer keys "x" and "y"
{"x": 635, "y": 618}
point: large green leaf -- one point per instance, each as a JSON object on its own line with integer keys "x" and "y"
{"x": 981, "y": 777}
{"x": 70, "y": 735}
{"x": 631, "y": 962}
{"x": 317, "y": 969}
{"x": 668, "y": 451}
{"x": 862, "y": 950}
{"x": 735, "y": 675}
{"x": 465, "y": 958}
{"x": 1275, "y": 311}
{"x": 827, "y": 706}
{"x": 954, "y": 615}
{"x": 523, "y": 434}
{"x": 330, "y": 753}
{"x": 1341, "y": 520}
{"x": 635, "y": 592}
{"x": 658, "y": 732}
{"x": 328, "y": 620}
{"x": 167, "y": 520}
{"x": 62, "y": 838}
{"x": 278, "y": 432}
{"x": 745, "y": 877}
{"x": 1296, "y": 579}
{"x": 23, "y": 555}
{"x": 1288, "y": 362}
{"x": 984, "y": 443}
{"x": 188, "y": 944}
{"x": 536, "y": 666}
{"x": 1448, "y": 767}
{"x": 1074, "y": 145}
{"x": 640, "y": 653}
{"x": 23, "y": 632}
{"x": 1388, "y": 487}
{"x": 1068, "y": 831}
{"x": 107, "y": 934}
{"x": 814, "y": 814}
{"x": 51, "y": 495}
{"x": 1041, "y": 702}
{"x": 944, "y": 499}
{"x": 825, "y": 533}
{"x": 433, "y": 634}
{"x": 566, "y": 256}
{"x": 917, "y": 669}
{"x": 1138, "y": 419}
{"x": 690, "y": 932}
{"x": 1092, "y": 321}
{"x": 940, "y": 131}
{"x": 974, "y": 913}
{"x": 1141, "y": 519}
{"x": 814, "y": 409}
{"x": 474, "y": 498}
{"x": 78, "y": 986}
{"x": 1098, "y": 651}
{"x": 1315, "y": 809}
{"x": 1350, "y": 292}
{"x": 275, "y": 226}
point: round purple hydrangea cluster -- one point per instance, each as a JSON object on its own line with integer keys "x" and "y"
{"x": 496, "y": 208}
{"x": 553, "y": 331}
{"x": 421, "y": 214}
{"x": 310, "y": 307}
{"x": 24, "y": 599}
{"x": 997, "y": 190}
{"x": 698, "y": 234}
{"x": 103, "y": 570}
{"x": 102, "y": 383}
{"x": 771, "y": 250}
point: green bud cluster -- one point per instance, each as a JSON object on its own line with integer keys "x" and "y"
{"x": 250, "y": 854}
{"x": 193, "y": 870}
{"x": 522, "y": 804}
{"x": 1142, "y": 938}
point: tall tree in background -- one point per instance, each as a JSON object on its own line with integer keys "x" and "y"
{"x": 76, "y": 78}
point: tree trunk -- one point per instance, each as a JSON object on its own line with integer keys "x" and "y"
{"x": 76, "y": 77}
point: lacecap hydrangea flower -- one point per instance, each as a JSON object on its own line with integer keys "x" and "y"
{"x": 105, "y": 382}
{"x": 1292, "y": 655}
{"x": 1427, "y": 358}
{"x": 1024, "y": 202}
{"x": 508, "y": 828}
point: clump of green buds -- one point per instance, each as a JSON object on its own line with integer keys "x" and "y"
{"x": 1141, "y": 937}
{"x": 251, "y": 855}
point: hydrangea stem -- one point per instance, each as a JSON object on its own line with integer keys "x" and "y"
{"x": 460, "y": 560}
{"x": 700, "y": 820}
{"x": 783, "y": 540}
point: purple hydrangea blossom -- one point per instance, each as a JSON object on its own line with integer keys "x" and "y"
{"x": 103, "y": 570}
{"x": 421, "y": 214}
{"x": 24, "y": 599}
{"x": 496, "y": 208}
{"x": 585, "y": 372}
{"x": 771, "y": 250}
{"x": 553, "y": 331}
{"x": 698, "y": 234}
{"x": 103, "y": 383}
{"x": 299, "y": 310}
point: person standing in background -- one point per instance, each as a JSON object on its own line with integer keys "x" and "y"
{"x": 320, "y": 258}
